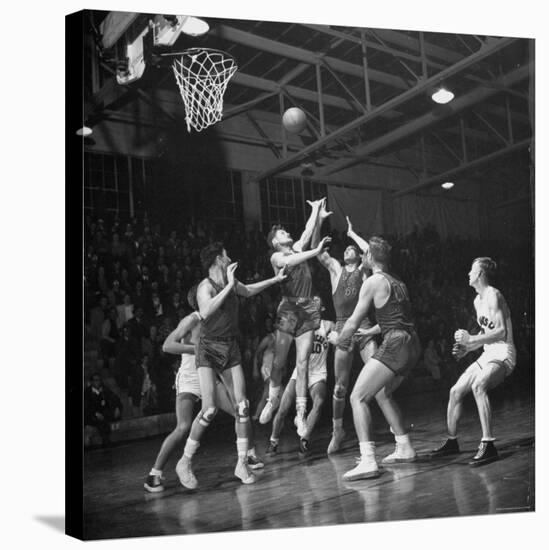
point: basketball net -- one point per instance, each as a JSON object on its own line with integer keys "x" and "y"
{"x": 202, "y": 75}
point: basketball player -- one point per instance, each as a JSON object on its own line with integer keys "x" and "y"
{"x": 317, "y": 376}
{"x": 297, "y": 315}
{"x": 182, "y": 341}
{"x": 218, "y": 354}
{"x": 346, "y": 281}
{"x": 385, "y": 370}
{"x": 490, "y": 369}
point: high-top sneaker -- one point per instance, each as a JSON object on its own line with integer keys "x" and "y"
{"x": 254, "y": 462}
{"x": 243, "y": 472}
{"x": 272, "y": 449}
{"x": 402, "y": 453}
{"x": 366, "y": 468}
{"x": 449, "y": 447}
{"x": 486, "y": 453}
{"x": 153, "y": 484}
{"x": 337, "y": 439}
{"x": 184, "y": 472}
{"x": 268, "y": 410}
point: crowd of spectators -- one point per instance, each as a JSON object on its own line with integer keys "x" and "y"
{"x": 137, "y": 275}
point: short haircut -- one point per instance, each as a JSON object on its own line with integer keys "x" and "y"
{"x": 355, "y": 248}
{"x": 272, "y": 233}
{"x": 488, "y": 266}
{"x": 380, "y": 250}
{"x": 209, "y": 253}
{"x": 191, "y": 297}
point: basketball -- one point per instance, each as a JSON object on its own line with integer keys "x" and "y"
{"x": 294, "y": 120}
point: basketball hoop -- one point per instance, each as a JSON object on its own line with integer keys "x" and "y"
{"x": 202, "y": 75}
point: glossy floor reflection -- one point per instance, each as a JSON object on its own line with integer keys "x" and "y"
{"x": 293, "y": 492}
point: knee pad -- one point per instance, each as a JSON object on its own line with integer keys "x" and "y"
{"x": 207, "y": 416}
{"x": 243, "y": 411}
{"x": 340, "y": 392}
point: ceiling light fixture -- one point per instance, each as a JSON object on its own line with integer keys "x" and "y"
{"x": 84, "y": 131}
{"x": 447, "y": 185}
{"x": 442, "y": 96}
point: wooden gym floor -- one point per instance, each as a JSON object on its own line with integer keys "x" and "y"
{"x": 293, "y": 492}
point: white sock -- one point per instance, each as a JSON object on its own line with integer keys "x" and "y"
{"x": 488, "y": 439}
{"x": 190, "y": 448}
{"x": 251, "y": 452}
{"x": 155, "y": 472}
{"x": 301, "y": 406}
{"x": 367, "y": 449}
{"x": 452, "y": 437}
{"x": 274, "y": 440}
{"x": 242, "y": 447}
{"x": 403, "y": 439}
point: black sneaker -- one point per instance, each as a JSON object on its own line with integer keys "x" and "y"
{"x": 254, "y": 463}
{"x": 304, "y": 449}
{"x": 486, "y": 453}
{"x": 272, "y": 449}
{"x": 449, "y": 447}
{"x": 153, "y": 484}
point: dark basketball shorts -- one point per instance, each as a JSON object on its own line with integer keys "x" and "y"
{"x": 218, "y": 353}
{"x": 297, "y": 317}
{"x": 399, "y": 351}
{"x": 356, "y": 341}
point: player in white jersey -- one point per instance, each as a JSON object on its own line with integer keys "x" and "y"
{"x": 490, "y": 369}
{"x": 182, "y": 341}
{"x": 317, "y": 376}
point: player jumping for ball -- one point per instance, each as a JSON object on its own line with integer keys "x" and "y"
{"x": 490, "y": 369}
{"x": 346, "y": 281}
{"x": 297, "y": 315}
{"x": 385, "y": 370}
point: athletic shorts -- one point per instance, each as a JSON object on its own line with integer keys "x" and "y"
{"x": 186, "y": 380}
{"x": 218, "y": 354}
{"x": 298, "y": 316}
{"x": 399, "y": 351}
{"x": 313, "y": 377}
{"x": 499, "y": 352}
{"x": 356, "y": 341}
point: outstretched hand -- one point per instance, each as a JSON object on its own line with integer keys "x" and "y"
{"x": 315, "y": 205}
{"x": 323, "y": 213}
{"x": 323, "y": 244}
{"x": 230, "y": 273}
{"x": 349, "y": 226}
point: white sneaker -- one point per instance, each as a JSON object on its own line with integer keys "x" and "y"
{"x": 402, "y": 453}
{"x": 301, "y": 424}
{"x": 365, "y": 469}
{"x": 268, "y": 410}
{"x": 337, "y": 439}
{"x": 242, "y": 471}
{"x": 185, "y": 473}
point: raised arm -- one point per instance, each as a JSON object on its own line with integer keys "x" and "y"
{"x": 361, "y": 243}
{"x": 496, "y": 307}
{"x": 256, "y": 288}
{"x": 174, "y": 341}
{"x": 279, "y": 260}
{"x": 208, "y": 301}
{"x": 365, "y": 299}
{"x": 303, "y": 241}
{"x": 331, "y": 264}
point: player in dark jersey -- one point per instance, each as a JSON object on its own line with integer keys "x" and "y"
{"x": 346, "y": 281}
{"x": 218, "y": 355}
{"x": 382, "y": 373}
{"x": 490, "y": 369}
{"x": 297, "y": 315}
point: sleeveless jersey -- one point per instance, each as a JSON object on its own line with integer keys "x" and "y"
{"x": 319, "y": 352}
{"x": 397, "y": 311}
{"x": 298, "y": 282}
{"x": 486, "y": 323}
{"x": 346, "y": 294}
{"x": 222, "y": 323}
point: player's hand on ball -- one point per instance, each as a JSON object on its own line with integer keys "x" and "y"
{"x": 230, "y": 273}
{"x": 461, "y": 336}
{"x": 332, "y": 337}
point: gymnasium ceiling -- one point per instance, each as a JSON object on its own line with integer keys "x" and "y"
{"x": 355, "y": 119}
